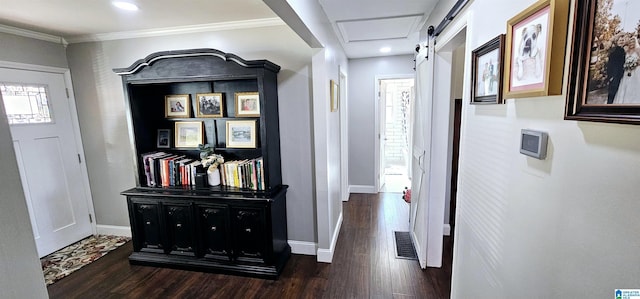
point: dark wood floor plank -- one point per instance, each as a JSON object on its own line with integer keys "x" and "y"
{"x": 364, "y": 266}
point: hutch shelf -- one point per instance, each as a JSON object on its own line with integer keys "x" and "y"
{"x": 224, "y": 229}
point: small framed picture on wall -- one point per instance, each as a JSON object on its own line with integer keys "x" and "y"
{"x": 535, "y": 50}
{"x": 486, "y": 63}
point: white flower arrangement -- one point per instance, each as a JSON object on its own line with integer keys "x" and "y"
{"x": 208, "y": 158}
{"x": 212, "y": 161}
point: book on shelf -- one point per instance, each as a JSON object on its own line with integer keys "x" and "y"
{"x": 163, "y": 169}
{"x": 193, "y": 169}
{"x": 150, "y": 169}
{"x": 244, "y": 174}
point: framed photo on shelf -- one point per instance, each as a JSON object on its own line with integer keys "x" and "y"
{"x": 177, "y": 106}
{"x": 247, "y": 104}
{"x": 164, "y": 138}
{"x": 335, "y": 95}
{"x": 241, "y": 134}
{"x": 535, "y": 50}
{"x": 188, "y": 133}
{"x": 604, "y": 78}
{"x": 209, "y": 105}
{"x": 486, "y": 63}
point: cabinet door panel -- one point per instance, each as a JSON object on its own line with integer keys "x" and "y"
{"x": 249, "y": 232}
{"x": 213, "y": 222}
{"x": 179, "y": 228}
{"x": 147, "y": 227}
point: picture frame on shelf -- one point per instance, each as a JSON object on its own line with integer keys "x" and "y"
{"x": 247, "y": 104}
{"x": 189, "y": 134}
{"x": 164, "y": 138}
{"x": 535, "y": 50}
{"x": 487, "y": 76}
{"x": 335, "y": 95}
{"x": 604, "y": 74}
{"x": 209, "y": 105}
{"x": 241, "y": 134}
{"x": 177, "y": 106}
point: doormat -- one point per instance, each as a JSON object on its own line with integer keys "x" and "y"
{"x": 404, "y": 246}
{"x": 75, "y": 256}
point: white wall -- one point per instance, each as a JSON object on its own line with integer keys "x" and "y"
{"x": 101, "y": 108}
{"x": 362, "y": 101}
{"x": 31, "y": 51}
{"x": 20, "y": 271}
{"x": 311, "y": 23}
{"x": 561, "y": 227}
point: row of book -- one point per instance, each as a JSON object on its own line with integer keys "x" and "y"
{"x": 165, "y": 170}
{"x": 247, "y": 174}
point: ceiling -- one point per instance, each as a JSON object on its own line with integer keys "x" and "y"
{"x": 363, "y": 26}
{"x": 366, "y": 26}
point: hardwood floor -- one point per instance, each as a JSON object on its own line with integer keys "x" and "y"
{"x": 364, "y": 266}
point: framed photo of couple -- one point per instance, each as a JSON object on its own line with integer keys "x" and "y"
{"x": 604, "y": 78}
{"x": 535, "y": 50}
{"x": 486, "y": 63}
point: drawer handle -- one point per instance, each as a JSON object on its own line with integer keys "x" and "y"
{"x": 213, "y": 228}
{"x": 179, "y": 225}
{"x": 247, "y": 230}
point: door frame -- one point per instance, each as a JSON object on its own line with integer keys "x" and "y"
{"x": 439, "y": 171}
{"x": 75, "y": 122}
{"x": 344, "y": 134}
{"x": 377, "y": 124}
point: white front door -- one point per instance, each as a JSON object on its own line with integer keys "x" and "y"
{"x": 49, "y": 156}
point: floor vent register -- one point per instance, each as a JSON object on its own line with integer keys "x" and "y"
{"x": 404, "y": 246}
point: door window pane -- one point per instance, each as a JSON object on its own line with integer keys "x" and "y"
{"x": 26, "y": 103}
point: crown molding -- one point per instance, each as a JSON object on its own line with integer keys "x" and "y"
{"x": 33, "y": 34}
{"x": 176, "y": 30}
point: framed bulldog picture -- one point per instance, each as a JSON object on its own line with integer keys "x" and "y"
{"x": 604, "y": 75}
{"x": 535, "y": 50}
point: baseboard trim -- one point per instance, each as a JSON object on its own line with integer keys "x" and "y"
{"x": 302, "y": 247}
{"x": 346, "y": 196}
{"x": 362, "y": 189}
{"x": 447, "y": 230}
{"x": 326, "y": 255}
{"x": 113, "y": 230}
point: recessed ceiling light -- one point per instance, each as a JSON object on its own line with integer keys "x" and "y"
{"x": 125, "y": 5}
{"x": 385, "y": 49}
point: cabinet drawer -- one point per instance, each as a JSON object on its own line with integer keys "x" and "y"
{"x": 146, "y": 226}
{"x": 213, "y": 231}
{"x": 249, "y": 232}
{"x": 178, "y": 218}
